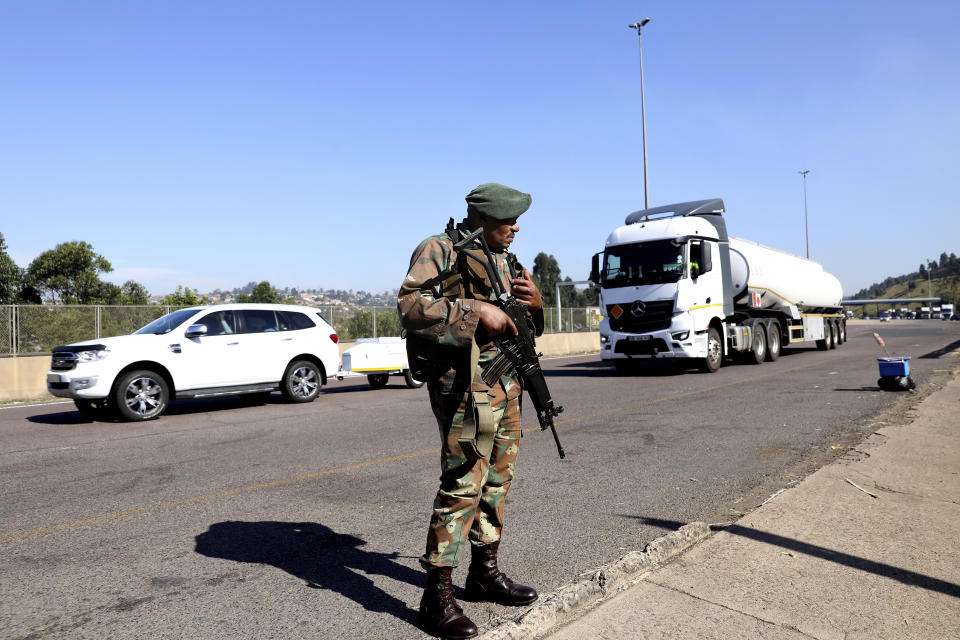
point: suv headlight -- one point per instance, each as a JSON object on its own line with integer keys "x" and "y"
{"x": 90, "y": 356}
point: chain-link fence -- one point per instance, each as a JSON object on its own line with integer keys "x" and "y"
{"x": 37, "y": 329}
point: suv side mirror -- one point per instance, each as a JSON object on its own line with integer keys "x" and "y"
{"x": 196, "y": 330}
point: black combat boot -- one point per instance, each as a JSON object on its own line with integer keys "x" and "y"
{"x": 486, "y": 582}
{"x": 439, "y": 613}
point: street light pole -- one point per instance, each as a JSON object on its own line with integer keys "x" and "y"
{"x": 806, "y": 223}
{"x": 643, "y": 111}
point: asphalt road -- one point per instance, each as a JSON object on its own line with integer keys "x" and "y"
{"x": 280, "y": 521}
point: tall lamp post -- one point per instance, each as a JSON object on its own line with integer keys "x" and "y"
{"x": 806, "y": 223}
{"x": 643, "y": 112}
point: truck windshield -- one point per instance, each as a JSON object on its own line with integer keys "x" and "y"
{"x": 655, "y": 262}
{"x": 169, "y": 322}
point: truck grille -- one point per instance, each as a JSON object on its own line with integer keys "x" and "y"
{"x": 655, "y": 315}
{"x": 63, "y": 361}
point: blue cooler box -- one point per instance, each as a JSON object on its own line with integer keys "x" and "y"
{"x": 894, "y": 366}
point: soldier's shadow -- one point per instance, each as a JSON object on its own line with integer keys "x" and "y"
{"x": 321, "y": 557}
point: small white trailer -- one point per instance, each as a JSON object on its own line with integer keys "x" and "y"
{"x": 378, "y": 359}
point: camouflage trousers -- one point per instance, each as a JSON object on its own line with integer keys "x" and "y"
{"x": 469, "y": 504}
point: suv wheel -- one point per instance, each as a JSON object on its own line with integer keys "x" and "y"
{"x": 141, "y": 395}
{"x": 302, "y": 381}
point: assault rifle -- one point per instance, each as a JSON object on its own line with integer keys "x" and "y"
{"x": 518, "y": 351}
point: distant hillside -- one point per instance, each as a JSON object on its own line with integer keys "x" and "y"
{"x": 942, "y": 275}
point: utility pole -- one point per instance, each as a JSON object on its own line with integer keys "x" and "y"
{"x": 643, "y": 111}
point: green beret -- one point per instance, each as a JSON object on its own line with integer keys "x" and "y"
{"x": 498, "y": 201}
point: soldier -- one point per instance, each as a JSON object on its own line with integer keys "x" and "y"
{"x": 449, "y": 324}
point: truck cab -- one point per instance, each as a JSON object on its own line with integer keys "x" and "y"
{"x": 662, "y": 285}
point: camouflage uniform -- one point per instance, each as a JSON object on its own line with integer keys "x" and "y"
{"x": 470, "y": 502}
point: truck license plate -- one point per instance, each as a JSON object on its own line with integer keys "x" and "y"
{"x": 637, "y": 338}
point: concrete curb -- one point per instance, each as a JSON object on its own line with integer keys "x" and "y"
{"x": 572, "y": 600}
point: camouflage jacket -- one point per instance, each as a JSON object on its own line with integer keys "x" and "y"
{"x": 433, "y": 307}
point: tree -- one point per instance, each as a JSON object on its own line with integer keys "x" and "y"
{"x": 263, "y": 292}
{"x": 184, "y": 297}
{"x": 546, "y": 274}
{"x": 360, "y": 324}
{"x": 69, "y": 273}
{"x": 11, "y": 276}
{"x": 132, "y": 292}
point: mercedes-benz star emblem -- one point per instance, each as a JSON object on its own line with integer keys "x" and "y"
{"x": 637, "y": 309}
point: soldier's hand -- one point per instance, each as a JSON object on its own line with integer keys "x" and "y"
{"x": 494, "y": 321}
{"x": 526, "y": 292}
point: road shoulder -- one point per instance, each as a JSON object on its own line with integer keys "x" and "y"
{"x": 863, "y": 547}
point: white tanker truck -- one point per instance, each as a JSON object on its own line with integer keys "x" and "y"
{"x": 675, "y": 286}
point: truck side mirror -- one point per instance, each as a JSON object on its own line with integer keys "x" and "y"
{"x": 706, "y": 263}
{"x": 595, "y": 269}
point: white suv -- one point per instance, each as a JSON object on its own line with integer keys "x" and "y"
{"x": 199, "y": 352}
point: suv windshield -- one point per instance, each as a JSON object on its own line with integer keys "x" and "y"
{"x": 169, "y": 322}
{"x": 644, "y": 263}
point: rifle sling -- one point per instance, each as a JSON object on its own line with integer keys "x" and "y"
{"x": 476, "y": 439}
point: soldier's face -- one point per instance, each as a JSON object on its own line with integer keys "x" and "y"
{"x": 499, "y": 233}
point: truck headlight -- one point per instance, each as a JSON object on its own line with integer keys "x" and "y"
{"x": 680, "y": 335}
{"x": 604, "y": 338}
{"x": 90, "y": 356}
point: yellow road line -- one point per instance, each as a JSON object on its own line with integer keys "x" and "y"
{"x": 360, "y": 465}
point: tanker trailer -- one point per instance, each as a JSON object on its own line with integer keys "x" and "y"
{"x": 675, "y": 286}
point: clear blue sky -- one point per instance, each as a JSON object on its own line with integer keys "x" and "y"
{"x": 314, "y": 144}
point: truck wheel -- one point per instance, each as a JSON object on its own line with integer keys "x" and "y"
{"x": 832, "y": 340}
{"x": 841, "y": 331}
{"x": 758, "y": 348}
{"x": 825, "y": 343}
{"x": 714, "y": 357}
{"x": 141, "y": 395}
{"x": 94, "y": 409}
{"x": 301, "y": 382}
{"x": 412, "y": 383}
{"x": 773, "y": 342}
{"x": 378, "y": 380}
